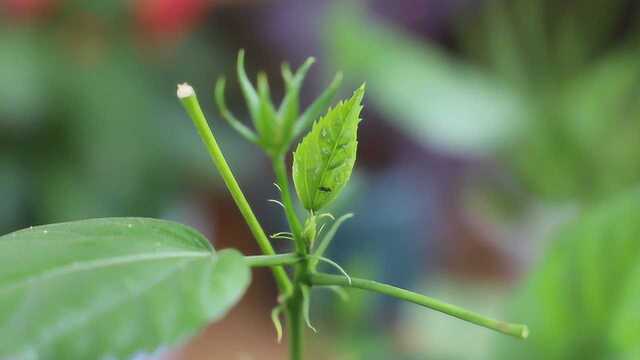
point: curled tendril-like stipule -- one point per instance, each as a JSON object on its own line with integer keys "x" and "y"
{"x": 329, "y": 215}
{"x": 334, "y": 264}
{"x": 275, "y": 319}
{"x": 306, "y": 305}
{"x": 277, "y": 187}
{"x": 277, "y": 202}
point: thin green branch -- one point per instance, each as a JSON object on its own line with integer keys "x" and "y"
{"x": 516, "y": 330}
{"x": 187, "y": 96}
{"x": 271, "y": 260}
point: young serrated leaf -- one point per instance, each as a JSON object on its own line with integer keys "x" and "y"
{"x": 110, "y": 288}
{"x": 324, "y": 159}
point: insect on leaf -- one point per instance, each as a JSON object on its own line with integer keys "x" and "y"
{"x": 110, "y": 288}
{"x": 324, "y": 159}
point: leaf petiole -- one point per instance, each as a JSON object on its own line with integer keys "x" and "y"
{"x": 516, "y": 330}
{"x": 272, "y": 260}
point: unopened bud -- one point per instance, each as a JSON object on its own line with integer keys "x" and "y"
{"x": 185, "y": 90}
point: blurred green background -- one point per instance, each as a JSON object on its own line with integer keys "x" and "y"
{"x": 498, "y": 166}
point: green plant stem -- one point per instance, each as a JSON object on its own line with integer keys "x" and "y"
{"x": 295, "y": 317}
{"x": 192, "y": 107}
{"x": 272, "y": 260}
{"x": 295, "y": 324}
{"x": 517, "y": 330}
{"x": 290, "y": 212}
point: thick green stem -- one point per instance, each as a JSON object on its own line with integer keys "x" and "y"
{"x": 190, "y": 102}
{"x": 295, "y": 312}
{"x": 272, "y": 260}
{"x": 295, "y": 318}
{"x": 517, "y": 330}
{"x": 295, "y": 323}
{"x": 290, "y": 212}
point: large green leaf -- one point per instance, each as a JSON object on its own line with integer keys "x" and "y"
{"x": 324, "y": 159}
{"x": 581, "y": 302}
{"x": 110, "y": 288}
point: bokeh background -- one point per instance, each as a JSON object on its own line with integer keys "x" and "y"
{"x": 498, "y": 157}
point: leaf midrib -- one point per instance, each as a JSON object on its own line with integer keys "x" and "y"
{"x": 80, "y": 266}
{"x": 333, "y": 153}
{"x": 105, "y": 308}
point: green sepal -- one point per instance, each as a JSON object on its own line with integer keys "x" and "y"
{"x": 267, "y": 123}
{"x": 248, "y": 91}
{"x": 242, "y": 129}
{"x": 290, "y": 107}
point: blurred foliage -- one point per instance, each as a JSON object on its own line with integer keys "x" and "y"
{"x": 553, "y": 89}
{"x": 89, "y": 127}
{"x": 447, "y": 104}
{"x": 430, "y": 333}
{"x": 86, "y": 128}
{"x": 581, "y": 302}
{"x": 353, "y": 330}
{"x": 578, "y": 67}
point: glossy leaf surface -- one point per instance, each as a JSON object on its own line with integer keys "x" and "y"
{"x": 110, "y": 288}
{"x": 324, "y": 159}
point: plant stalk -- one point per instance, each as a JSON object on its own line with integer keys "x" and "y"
{"x": 272, "y": 260}
{"x": 516, "y": 330}
{"x": 187, "y": 96}
{"x": 295, "y": 325}
{"x": 292, "y": 218}
{"x": 295, "y": 311}
{"x": 295, "y": 318}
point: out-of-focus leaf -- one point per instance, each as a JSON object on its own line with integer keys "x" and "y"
{"x": 24, "y": 66}
{"x": 13, "y": 192}
{"x": 433, "y": 335}
{"x": 571, "y": 301}
{"x": 534, "y": 43}
{"x": 625, "y": 332}
{"x": 324, "y": 159}
{"x": 109, "y": 288}
{"x": 584, "y": 142}
{"x": 449, "y": 105}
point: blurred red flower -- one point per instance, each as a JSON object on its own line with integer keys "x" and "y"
{"x": 27, "y": 9}
{"x": 167, "y": 19}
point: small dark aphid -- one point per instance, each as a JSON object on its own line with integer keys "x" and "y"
{"x": 324, "y": 189}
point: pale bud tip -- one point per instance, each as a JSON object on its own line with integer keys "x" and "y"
{"x": 185, "y": 90}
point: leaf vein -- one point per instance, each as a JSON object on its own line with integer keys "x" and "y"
{"x": 77, "y": 266}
